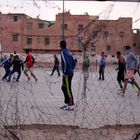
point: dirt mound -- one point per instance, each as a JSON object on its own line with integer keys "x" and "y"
{"x": 63, "y": 132}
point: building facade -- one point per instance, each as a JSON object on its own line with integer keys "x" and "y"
{"x": 136, "y": 44}
{"x": 82, "y": 32}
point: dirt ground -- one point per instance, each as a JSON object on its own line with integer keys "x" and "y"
{"x": 62, "y": 132}
{"x": 67, "y": 132}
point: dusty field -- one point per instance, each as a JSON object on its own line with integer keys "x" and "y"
{"x": 63, "y": 132}
{"x": 39, "y": 103}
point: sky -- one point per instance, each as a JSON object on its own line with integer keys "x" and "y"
{"x": 47, "y": 10}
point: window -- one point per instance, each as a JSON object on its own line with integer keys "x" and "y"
{"x": 29, "y": 40}
{"x": 29, "y": 25}
{"x": 106, "y": 34}
{"x": 40, "y": 25}
{"x": 15, "y": 37}
{"x": 108, "y": 48}
{"x": 38, "y": 39}
{"x": 47, "y": 24}
{"x": 121, "y": 34}
{"x": 15, "y": 18}
{"x": 134, "y": 44}
{"x": 65, "y": 26}
{"x": 80, "y": 27}
{"x": 47, "y": 40}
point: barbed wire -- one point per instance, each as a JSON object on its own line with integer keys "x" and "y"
{"x": 97, "y": 103}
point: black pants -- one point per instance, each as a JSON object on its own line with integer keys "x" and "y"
{"x": 120, "y": 77}
{"x": 7, "y": 72}
{"x": 55, "y": 68}
{"x": 12, "y": 72}
{"x": 101, "y": 72}
{"x": 66, "y": 88}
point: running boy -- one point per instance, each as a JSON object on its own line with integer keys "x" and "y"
{"x": 131, "y": 66}
{"x": 29, "y": 66}
{"x": 17, "y": 65}
{"x": 121, "y": 68}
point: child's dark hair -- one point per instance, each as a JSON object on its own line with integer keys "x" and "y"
{"x": 17, "y": 56}
{"x": 15, "y": 52}
{"x": 63, "y": 44}
{"x": 127, "y": 47}
{"x": 28, "y": 50}
{"x": 118, "y": 53}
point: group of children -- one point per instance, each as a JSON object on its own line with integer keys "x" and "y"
{"x": 14, "y": 64}
{"x": 127, "y": 68}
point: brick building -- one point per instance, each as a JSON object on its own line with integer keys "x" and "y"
{"x": 136, "y": 44}
{"x": 19, "y": 31}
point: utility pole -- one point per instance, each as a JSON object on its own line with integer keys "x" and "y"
{"x": 63, "y": 34}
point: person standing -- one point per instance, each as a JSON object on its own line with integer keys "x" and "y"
{"x": 29, "y": 66}
{"x": 102, "y": 64}
{"x": 17, "y": 65}
{"x": 56, "y": 65}
{"x": 86, "y": 64}
{"x": 15, "y": 54}
{"x": 121, "y": 69}
{"x": 131, "y": 66}
{"x": 68, "y": 65}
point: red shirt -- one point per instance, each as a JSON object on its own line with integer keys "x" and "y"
{"x": 29, "y": 60}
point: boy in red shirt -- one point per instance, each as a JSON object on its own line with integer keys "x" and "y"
{"x": 29, "y": 65}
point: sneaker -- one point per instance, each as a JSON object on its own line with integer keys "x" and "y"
{"x": 64, "y": 106}
{"x": 121, "y": 93}
{"x": 68, "y": 108}
{"x": 71, "y": 107}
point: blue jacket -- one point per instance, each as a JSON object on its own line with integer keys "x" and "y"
{"x": 131, "y": 60}
{"x": 68, "y": 62}
{"x": 6, "y": 63}
{"x": 102, "y": 62}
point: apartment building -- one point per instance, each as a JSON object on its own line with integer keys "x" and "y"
{"x": 82, "y": 32}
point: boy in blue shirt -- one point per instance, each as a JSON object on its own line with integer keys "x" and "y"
{"x": 68, "y": 64}
{"x": 102, "y": 66}
{"x": 6, "y": 64}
